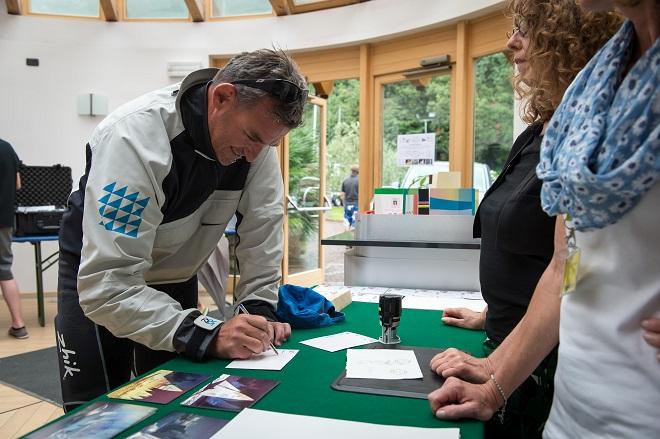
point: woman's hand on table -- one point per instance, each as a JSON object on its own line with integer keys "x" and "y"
{"x": 458, "y": 399}
{"x": 464, "y": 318}
{"x": 455, "y": 363}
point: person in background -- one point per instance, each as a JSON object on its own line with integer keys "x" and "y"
{"x": 600, "y": 167}
{"x": 10, "y": 182}
{"x": 552, "y": 40}
{"x": 164, "y": 175}
{"x": 349, "y": 193}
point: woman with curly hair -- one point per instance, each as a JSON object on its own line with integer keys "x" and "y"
{"x": 551, "y": 42}
{"x": 600, "y": 167}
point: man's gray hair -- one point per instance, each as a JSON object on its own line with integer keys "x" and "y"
{"x": 266, "y": 64}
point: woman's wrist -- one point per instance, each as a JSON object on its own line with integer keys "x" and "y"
{"x": 493, "y": 400}
{"x": 497, "y": 395}
{"x": 482, "y": 318}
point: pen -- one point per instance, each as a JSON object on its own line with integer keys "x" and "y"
{"x": 245, "y": 311}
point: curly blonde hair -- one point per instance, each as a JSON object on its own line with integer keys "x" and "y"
{"x": 562, "y": 39}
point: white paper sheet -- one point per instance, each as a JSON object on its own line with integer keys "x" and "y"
{"x": 384, "y": 364}
{"x": 337, "y": 342}
{"x": 265, "y": 361}
{"x": 251, "y": 423}
{"x": 420, "y": 298}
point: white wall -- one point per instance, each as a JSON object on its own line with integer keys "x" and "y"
{"x": 123, "y": 60}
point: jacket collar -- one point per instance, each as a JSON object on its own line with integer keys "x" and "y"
{"x": 195, "y": 78}
{"x": 192, "y": 106}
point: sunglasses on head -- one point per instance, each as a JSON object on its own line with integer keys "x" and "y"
{"x": 282, "y": 89}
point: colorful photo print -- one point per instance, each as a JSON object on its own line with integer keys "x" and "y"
{"x": 230, "y": 392}
{"x": 160, "y": 387}
{"x": 100, "y": 420}
{"x": 179, "y": 425}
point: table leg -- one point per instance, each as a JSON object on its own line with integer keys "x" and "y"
{"x": 40, "y": 282}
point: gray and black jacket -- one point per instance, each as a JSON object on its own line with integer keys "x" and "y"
{"x": 156, "y": 201}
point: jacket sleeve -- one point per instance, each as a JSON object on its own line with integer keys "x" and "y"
{"x": 260, "y": 236}
{"x": 123, "y": 198}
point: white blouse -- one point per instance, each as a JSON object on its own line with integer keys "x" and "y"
{"x": 607, "y": 383}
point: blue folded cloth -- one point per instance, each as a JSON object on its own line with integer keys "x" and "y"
{"x": 304, "y": 308}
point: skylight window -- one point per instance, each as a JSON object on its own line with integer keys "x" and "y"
{"x": 156, "y": 9}
{"x": 76, "y": 8}
{"x": 232, "y": 8}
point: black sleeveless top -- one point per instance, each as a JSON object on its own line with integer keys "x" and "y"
{"x": 516, "y": 237}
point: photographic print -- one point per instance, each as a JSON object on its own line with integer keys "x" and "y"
{"x": 160, "y": 387}
{"x": 230, "y": 392}
{"x": 100, "y": 420}
{"x": 179, "y": 425}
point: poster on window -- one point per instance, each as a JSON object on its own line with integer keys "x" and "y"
{"x": 415, "y": 149}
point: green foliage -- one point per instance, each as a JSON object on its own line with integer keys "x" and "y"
{"x": 343, "y": 132}
{"x": 343, "y": 106}
{"x": 304, "y": 150}
{"x": 493, "y": 132}
{"x": 411, "y": 110}
{"x": 303, "y": 168}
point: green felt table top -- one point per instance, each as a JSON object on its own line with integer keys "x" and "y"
{"x": 304, "y": 387}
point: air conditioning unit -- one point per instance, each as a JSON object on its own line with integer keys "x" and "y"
{"x": 180, "y": 69}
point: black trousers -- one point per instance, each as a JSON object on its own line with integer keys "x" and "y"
{"x": 93, "y": 361}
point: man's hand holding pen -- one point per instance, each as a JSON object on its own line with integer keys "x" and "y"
{"x": 245, "y": 335}
{"x": 271, "y": 330}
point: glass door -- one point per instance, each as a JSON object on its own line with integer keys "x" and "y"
{"x": 305, "y": 197}
{"x": 412, "y": 107}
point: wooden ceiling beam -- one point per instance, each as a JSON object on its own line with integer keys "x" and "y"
{"x": 14, "y": 7}
{"x": 110, "y": 11}
{"x": 196, "y": 9}
{"x": 280, "y": 7}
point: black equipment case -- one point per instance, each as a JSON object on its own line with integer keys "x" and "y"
{"x": 42, "y": 199}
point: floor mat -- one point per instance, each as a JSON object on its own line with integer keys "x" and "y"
{"x": 35, "y": 373}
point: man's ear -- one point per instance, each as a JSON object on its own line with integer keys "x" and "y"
{"x": 223, "y": 95}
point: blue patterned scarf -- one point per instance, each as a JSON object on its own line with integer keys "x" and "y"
{"x": 601, "y": 151}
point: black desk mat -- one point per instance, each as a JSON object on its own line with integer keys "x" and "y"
{"x": 417, "y": 388}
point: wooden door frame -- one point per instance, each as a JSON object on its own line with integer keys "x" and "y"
{"x": 314, "y": 276}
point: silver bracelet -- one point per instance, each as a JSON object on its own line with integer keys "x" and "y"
{"x": 500, "y": 414}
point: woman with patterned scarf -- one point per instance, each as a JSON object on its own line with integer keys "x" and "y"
{"x": 600, "y": 166}
{"x": 552, "y": 40}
